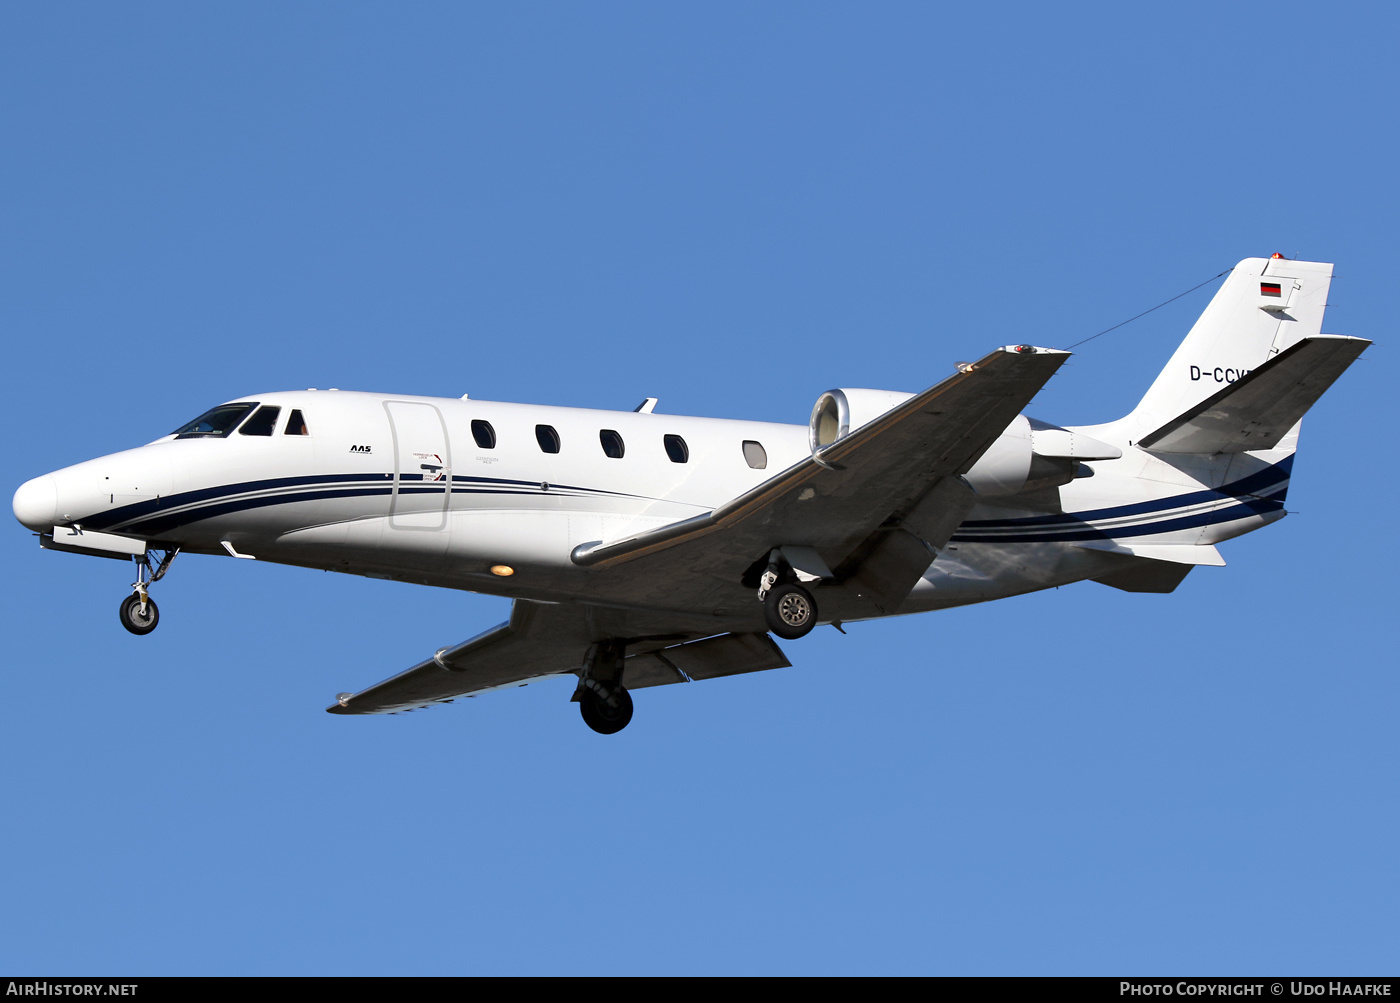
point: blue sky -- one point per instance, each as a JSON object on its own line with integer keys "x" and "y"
{"x": 731, "y": 207}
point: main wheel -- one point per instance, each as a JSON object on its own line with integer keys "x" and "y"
{"x": 136, "y": 621}
{"x": 603, "y": 719}
{"x": 790, "y": 611}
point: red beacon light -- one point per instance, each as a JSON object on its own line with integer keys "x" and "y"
{"x": 1277, "y": 257}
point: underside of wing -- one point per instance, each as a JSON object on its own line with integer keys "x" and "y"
{"x": 870, "y": 505}
{"x": 537, "y": 641}
{"x": 543, "y": 640}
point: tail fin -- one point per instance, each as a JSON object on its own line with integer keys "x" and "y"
{"x": 1266, "y": 306}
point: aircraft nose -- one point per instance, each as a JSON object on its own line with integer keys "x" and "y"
{"x": 36, "y": 503}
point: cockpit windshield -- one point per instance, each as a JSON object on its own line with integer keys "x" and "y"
{"x": 215, "y": 423}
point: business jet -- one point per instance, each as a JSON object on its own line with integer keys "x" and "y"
{"x": 643, "y": 549}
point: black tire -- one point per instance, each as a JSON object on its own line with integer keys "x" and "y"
{"x": 603, "y": 719}
{"x": 131, "y": 616}
{"x": 790, "y": 611}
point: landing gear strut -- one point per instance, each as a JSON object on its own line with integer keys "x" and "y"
{"x": 605, "y": 705}
{"x": 138, "y": 611}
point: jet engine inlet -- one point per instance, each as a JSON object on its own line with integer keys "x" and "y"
{"x": 838, "y": 413}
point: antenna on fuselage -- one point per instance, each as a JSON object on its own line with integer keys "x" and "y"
{"x": 645, "y": 406}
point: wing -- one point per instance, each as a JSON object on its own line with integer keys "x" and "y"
{"x": 534, "y": 643}
{"x": 870, "y": 505}
{"x": 542, "y": 640}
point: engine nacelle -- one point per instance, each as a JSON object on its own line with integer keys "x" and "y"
{"x": 838, "y": 413}
{"x": 1031, "y": 454}
{"x": 1028, "y": 455}
{"x": 1009, "y": 465}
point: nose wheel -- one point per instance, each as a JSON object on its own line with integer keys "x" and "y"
{"x": 138, "y": 611}
{"x": 139, "y": 614}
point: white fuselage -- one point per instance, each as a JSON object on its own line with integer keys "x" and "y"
{"x": 401, "y": 487}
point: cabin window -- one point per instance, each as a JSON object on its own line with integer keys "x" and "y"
{"x": 216, "y": 423}
{"x": 296, "y": 424}
{"x": 548, "y": 438}
{"x": 676, "y": 449}
{"x": 484, "y": 434}
{"x": 263, "y": 422}
{"x": 612, "y": 443}
{"x": 755, "y": 455}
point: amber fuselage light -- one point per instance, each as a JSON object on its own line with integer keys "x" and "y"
{"x": 504, "y": 570}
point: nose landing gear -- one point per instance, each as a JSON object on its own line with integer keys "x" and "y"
{"x": 138, "y": 611}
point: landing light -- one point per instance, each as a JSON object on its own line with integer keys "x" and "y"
{"x": 505, "y": 571}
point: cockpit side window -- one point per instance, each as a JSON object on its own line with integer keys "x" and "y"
{"x": 296, "y": 424}
{"x": 216, "y": 423}
{"x": 263, "y": 422}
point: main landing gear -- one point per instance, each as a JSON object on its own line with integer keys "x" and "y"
{"x": 138, "y": 611}
{"x": 606, "y": 716}
{"x": 605, "y": 705}
{"x": 788, "y": 609}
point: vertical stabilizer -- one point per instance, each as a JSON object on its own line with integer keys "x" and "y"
{"x": 1266, "y": 306}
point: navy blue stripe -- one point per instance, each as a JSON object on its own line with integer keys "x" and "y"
{"x": 137, "y": 510}
{"x": 154, "y": 516}
{"x": 1087, "y": 532}
{"x": 140, "y": 512}
{"x": 1244, "y": 489}
{"x": 160, "y": 524}
{"x": 552, "y": 486}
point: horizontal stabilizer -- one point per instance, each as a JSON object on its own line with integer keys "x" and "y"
{"x": 1153, "y": 567}
{"x": 1173, "y": 553}
{"x": 1259, "y": 408}
{"x": 1147, "y": 576}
